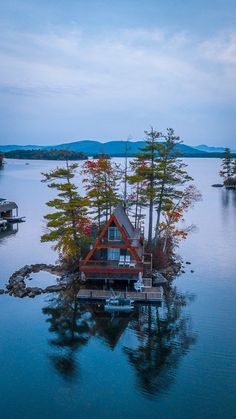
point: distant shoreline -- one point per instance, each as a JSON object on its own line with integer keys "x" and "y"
{"x": 59, "y": 155}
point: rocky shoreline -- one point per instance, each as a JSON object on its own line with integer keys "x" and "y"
{"x": 16, "y": 285}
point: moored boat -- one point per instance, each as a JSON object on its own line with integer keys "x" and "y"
{"x": 119, "y": 304}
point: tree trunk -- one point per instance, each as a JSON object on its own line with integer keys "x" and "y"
{"x": 159, "y": 213}
{"x": 150, "y": 224}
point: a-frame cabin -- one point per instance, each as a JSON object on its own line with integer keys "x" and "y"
{"x": 117, "y": 254}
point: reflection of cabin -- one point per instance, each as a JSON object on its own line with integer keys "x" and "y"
{"x": 110, "y": 327}
{"x": 117, "y": 254}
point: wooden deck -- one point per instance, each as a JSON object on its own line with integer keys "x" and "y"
{"x": 153, "y": 294}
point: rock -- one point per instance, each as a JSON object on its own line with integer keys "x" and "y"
{"x": 182, "y": 272}
{"x": 20, "y": 293}
{"x": 192, "y": 271}
{"x": 55, "y": 288}
{"x": 16, "y": 279}
{"x": 35, "y": 290}
{"x": 1, "y": 291}
{"x": 217, "y": 185}
{"x": 31, "y": 295}
{"x": 159, "y": 279}
{"x": 188, "y": 263}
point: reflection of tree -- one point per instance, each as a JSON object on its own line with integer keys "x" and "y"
{"x": 163, "y": 336}
{"x": 225, "y": 198}
{"x": 71, "y": 325}
{"x": 160, "y": 336}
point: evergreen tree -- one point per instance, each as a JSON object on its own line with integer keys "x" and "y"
{"x": 227, "y": 164}
{"x": 68, "y": 225}
{"x": 136, "y": 199}
{"x": 234, "y": 167}
{"x": 148, "y": 173}
{"x": 171, "y": 176}
{"x": 163, "y": 176}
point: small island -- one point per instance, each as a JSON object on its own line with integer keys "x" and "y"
{"x": 46, "y": 155}
{"x": 100, "y": 236}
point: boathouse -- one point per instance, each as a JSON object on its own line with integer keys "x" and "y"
{"x": 118, "y": 252}
{"x": 7, "y": 209}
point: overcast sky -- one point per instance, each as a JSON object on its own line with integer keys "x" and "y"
{"x": 103, "y": 69}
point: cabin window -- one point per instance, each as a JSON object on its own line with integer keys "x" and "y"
{"x": 113, "y": 254}
{"x": 114, "y": 234}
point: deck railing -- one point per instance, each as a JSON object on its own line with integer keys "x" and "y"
{"x": 113, "y": 264}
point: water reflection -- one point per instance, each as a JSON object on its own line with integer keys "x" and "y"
{"x": 225, "y": 198}
{"x": 228, "y": 197}
{"x": 163, "y": 336}
{"x": 11, "y": 229}
{"x": 71, "y": 325}
{"x": 158, "y": 336}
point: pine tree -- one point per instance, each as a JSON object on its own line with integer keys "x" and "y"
{"x": 171, "y": 176}
{"x": 136, "y": 200}
{"x": 148, "y": 173}
{"x": 68, "y": 225}
{"x": 227, "y": 165}
{"x": 163, "y": 176}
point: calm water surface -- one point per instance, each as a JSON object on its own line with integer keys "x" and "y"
{"x": 60, "y": 359}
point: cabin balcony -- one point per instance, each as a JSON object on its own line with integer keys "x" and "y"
{"x": 111, "y": 266}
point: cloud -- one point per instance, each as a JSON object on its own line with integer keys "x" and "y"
{"x": 130, "y": 70}
{"x": 125, "y": 66}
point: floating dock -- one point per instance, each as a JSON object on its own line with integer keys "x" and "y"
{"x": 152, "y": 295}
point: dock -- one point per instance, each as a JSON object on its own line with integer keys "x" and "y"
{"x": 152, "y": 295}
{"x": 15, "y": 219}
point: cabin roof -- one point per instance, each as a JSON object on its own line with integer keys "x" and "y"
{"x": 124, "y": 221}
{"x": 7, "y": 206}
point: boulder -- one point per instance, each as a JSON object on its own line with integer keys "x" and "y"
{"x": 55, "y": 288}
{"x": 35, "y": 290}
{"x": 1, "y": 291}
{"x": 19, "y": 293}
{"x": 159, "y": 279}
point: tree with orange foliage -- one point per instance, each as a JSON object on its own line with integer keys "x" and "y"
{"x": 170, "y": 229}
{"x": 101, "y": 185}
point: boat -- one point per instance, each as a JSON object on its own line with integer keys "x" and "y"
{"x": 119, "y": 304}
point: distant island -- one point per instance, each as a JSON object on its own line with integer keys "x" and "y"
{"x": 79, "y": 150}
{"x": 46, "y": 155}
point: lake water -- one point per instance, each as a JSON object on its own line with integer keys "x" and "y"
{"x": 59, "y": 359}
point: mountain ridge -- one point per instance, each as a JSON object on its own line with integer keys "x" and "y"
{"x": 91, "y": 147}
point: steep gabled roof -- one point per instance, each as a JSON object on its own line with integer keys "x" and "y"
{"x": 124, "y": 221}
